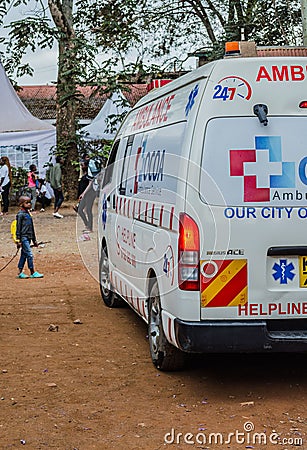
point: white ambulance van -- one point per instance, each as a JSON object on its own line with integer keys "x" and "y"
{"x": 203, "y": 211}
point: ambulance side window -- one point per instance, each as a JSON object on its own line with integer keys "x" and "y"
{"x": 124, "y": 174}
{"x": 110, "y": 165}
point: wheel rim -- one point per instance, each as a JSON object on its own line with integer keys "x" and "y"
{"x": 155, "y": 326}
{"x": 105, "y": 276}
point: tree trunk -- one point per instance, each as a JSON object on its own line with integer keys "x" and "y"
{"x": 61, "y": 12}
{"x": 66, "y": 118}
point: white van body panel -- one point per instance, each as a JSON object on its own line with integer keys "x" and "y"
{"x": 196, "y": 146}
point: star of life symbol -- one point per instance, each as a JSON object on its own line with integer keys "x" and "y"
{"x": 283, "y": 271}
{"x": 262, "y": 169}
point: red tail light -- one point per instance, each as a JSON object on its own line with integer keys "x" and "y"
{"x": 188, "y": 253}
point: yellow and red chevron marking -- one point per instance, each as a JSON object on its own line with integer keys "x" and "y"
{"x": 226, "y": 287}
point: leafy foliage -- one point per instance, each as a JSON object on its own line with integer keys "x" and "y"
{"x": 112, "y": 25}
{"x": 164, "y": 30}
{"x": 19, "y": 177}
{"x": 209, "y": 23}
{"x": 278, "y": 23}
{"x": 19, "y": 183}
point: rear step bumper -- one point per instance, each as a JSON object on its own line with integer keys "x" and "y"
{"x": 237, "y": 336}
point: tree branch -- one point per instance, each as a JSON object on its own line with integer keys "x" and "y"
{"x": 216, "y": 13}
{"x": 238, "y": 7}
{"x": 201, "y": 12}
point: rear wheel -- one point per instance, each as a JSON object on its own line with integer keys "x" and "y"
{"x": 106, "y": 289}
{"x": 164, "y": 356}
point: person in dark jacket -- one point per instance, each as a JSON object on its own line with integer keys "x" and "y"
{"x": 24, "y": 235}
{"x": 55, "y": 176}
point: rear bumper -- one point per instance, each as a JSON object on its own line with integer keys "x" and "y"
{"x": 236, "y": 336}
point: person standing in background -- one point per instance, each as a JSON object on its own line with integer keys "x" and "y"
{"x": 55, "y": 176}
{"x": 94, "y": 165}
{"x": 44, "y": 196}
{"x": 84, "y": 177}
{"x": 32, "y": 185}
{"x": 5, "y": 183}
{"x": 86, "y": 201}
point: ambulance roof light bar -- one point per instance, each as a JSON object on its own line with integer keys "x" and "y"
{"x": 232, "y": 49}
{"x": 241, "y": 49}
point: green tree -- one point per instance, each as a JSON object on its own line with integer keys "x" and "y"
{"x": 209, "y": 23}
{"x": 82, "y": 29}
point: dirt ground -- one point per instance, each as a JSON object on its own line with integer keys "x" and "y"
{"x": 90, "y": 384}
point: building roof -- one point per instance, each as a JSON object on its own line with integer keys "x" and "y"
{"x": 281, "y": 51}
{"x": 41, "y": 100}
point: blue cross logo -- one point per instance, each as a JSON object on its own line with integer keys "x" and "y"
{"x": 283, "y": 271}
{"x": 191, "y": 100}
{"x": 273, "y": 144}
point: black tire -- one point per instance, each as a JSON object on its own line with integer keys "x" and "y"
{"x": 108, "y": 295}
{"x": 164, "y": 355}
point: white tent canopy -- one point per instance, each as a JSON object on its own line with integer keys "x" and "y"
{"x": 98, "y": 128}
{"x": 24, "y": 138}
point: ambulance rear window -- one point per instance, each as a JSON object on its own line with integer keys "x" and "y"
{"x": 245, "y": 163}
